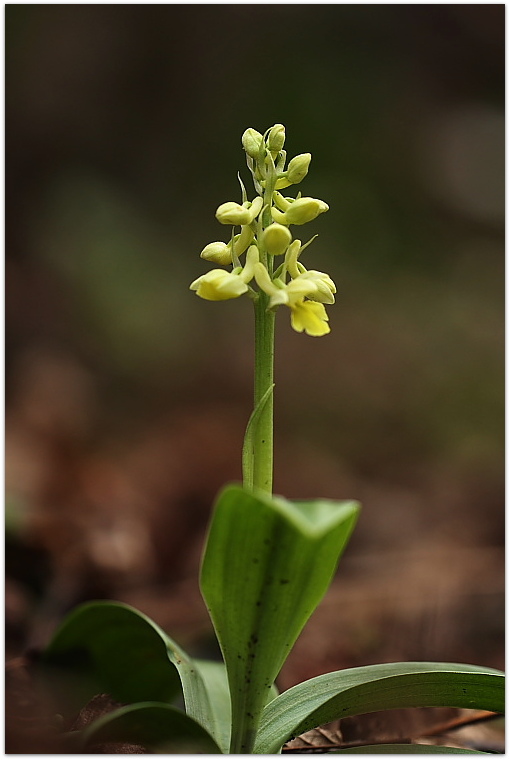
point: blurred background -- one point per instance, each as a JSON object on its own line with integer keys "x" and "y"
{"x": 127, "y": 396}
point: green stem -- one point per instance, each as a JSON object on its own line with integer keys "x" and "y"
{"x": 262, "y": 441}
{"x": 258, "y": 459}
{"x": 258, "y": 475}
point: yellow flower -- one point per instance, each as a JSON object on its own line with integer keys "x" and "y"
{"x": 219, "y": 285}
{"x": 252, "y": 259}
{"x": 311, "y": 317}
{"x": 234, "y": 213}
{"x": 301, "y": 211}
{"x": 219, "y": 253}
{"x": 325, "y": 287}
{"x": 317, "y": 286}
{"x": 292, "y": 292}
{"x": 282, "y": 203}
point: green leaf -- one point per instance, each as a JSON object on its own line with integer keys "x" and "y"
{"x": 377, "y": 687}
{"x": 110, "y": 647}
{"x": 214, "y": 675}
{"x": 248, "y": 452}
{"x": 406, "y": 749}
{"x": 267, "y": 564}
{"x": 154, "y": 725}
{"x": 106, "y": 646}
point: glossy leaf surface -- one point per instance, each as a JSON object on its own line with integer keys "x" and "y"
{"x": 376, "y": 687}
{"x": 267, "y": 564}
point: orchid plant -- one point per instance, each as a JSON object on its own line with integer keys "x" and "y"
{"x": 267, "y": 561}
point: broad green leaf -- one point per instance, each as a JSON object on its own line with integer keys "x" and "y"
{"x": 267, "y": 564}
{"x": 376, "y": 687}
{"x": 155, "y": 725}
{"x": 112, "y": 647}
{"x": 406, "y": 749}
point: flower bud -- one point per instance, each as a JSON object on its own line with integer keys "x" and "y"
{"x": 276, "y": 138}
{"x": 276, "y": 239}
{"x": 304, "y": 210}
{"x": 252, "y": 140}
{"x": 233, "y": 213}
{"x": 218, "y": 285}
{"x": 298, "y": 168}
{"x": 219, "y": 253}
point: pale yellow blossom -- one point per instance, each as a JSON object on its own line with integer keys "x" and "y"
{"x": 310, "y": 317}
{"x": 219, "y": 285}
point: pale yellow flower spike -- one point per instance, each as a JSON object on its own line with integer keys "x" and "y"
{"x": 264, "y": 235}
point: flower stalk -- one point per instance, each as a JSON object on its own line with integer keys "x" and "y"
{"x": 262, "y": 440}
{"x": 264, "y": 224}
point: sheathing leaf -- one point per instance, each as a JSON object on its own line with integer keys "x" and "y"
{"x": 267, "y": 564}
